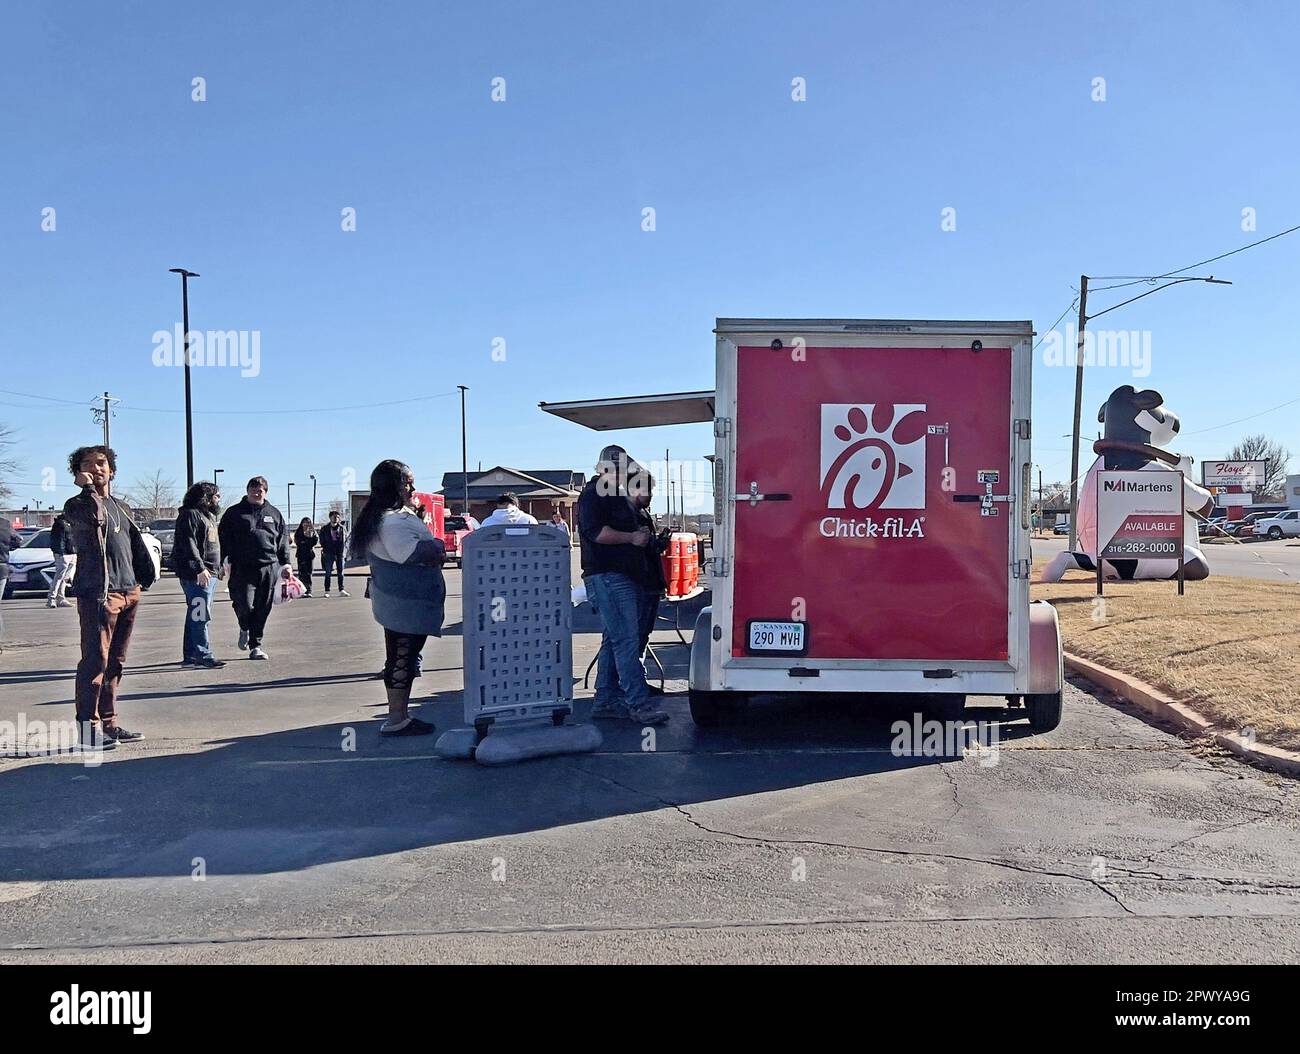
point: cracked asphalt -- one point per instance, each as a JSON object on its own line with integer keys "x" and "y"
{"x": 792, "y": 835}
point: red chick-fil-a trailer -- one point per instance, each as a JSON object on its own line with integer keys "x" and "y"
{"x": 872, "y": 513}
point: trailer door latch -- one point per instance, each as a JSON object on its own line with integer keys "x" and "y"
{"x": 754, "y": 497}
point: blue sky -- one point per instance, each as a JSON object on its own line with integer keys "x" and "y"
{"x": 521, "y": 220}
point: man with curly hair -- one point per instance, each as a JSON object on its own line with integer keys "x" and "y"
{"x": 113, "y": 567}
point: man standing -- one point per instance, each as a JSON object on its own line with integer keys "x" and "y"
{"x": 255, "y": 542}
{"x": 615, "y": 569}
{"x": 196, "y": 559}
{"x": 114, "y": 566}
{"x": 509, "y": 512}
{"x": 8, "y": 540}
{"x": 333, "y": 544}
{"x": 65, "y": 563}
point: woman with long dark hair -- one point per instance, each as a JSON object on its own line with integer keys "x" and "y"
{"x": 304, "y": 543}
{"x": 407, "y": 591}
{"x": 196, "y": 559}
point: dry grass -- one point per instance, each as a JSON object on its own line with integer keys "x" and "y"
{"x": 1230, "y": 647}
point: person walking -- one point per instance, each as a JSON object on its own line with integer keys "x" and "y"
{"x": 333, "y": 544}
{"x": 407, "y": 591}
{"x": 8, "y": 540}
{"x": 558, "y": 521}
{"x": 196, "y": 559}
{"x": 304, "y": 544}
{"x": 65, "y": 563}
{"x": 114, "y": 568}
{"x": 255, "y": 542}
{"x": 509, "y": 512}
{"x": 615, "y": 569}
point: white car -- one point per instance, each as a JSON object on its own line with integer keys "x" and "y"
{"x": 1282, "y": 525}
{"x": 31, "y": 567}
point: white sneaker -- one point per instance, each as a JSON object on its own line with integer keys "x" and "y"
{"x": 327, "y": 596}
{"x": 62, "y": 603}
{"x": 258, "y": 653}
{"x": 344, "y": 593}
{"x": 49, "y": 603}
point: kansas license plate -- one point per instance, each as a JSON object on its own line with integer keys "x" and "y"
{"x": 784, "y": 637}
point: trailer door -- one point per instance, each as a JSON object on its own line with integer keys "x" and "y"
{"x": 870, "y": 503}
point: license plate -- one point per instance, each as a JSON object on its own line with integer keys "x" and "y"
{"x": 18, "y": 577}
{"x": 786, "y": 638}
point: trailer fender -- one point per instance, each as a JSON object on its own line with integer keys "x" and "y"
{"x": 1046, "y": 659}
{"x": 700, "y": 644}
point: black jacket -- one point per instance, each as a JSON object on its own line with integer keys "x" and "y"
{"x": 8, "y": 540}
{"x": 333, "y": 540}
{"x": 595, "y": 511}
{"x": 88, "y": 525}
{"x": 60, "y": 539}
{"x": 253, "y": 536}
{"x": 195, "y": 546}
{"x": 305, "y": 546}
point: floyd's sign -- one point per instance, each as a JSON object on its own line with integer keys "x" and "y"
{"x": 1249, "y": 475}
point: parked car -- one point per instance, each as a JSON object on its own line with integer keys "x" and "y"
{"x": 1280, "y": 525}
{"x": 1245, "y": 527}
{"x": 165, "y": 531}
{"x": 455, "y": 528}
{"x": 1211, "y": 528}
{"x": 31, "y": 567}
{"x": 1062, "y": 527}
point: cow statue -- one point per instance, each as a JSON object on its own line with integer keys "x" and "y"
{"x": 1137, "y": 427}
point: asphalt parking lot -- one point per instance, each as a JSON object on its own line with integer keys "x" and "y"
{"x": 241, "y": 830}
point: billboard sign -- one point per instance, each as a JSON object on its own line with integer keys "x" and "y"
{"x": 1139, "y": 516}
{"x": 1249, "y": 475}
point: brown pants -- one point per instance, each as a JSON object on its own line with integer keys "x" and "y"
{"x": 105, "y": 635}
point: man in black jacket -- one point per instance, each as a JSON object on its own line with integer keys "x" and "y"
{"x": 113, "y": 567}
{"x": 65, "y": 563}
{"x": 255, "y": 542}
{"x": 196, "y": 559}
{"x": 333, "y": 544}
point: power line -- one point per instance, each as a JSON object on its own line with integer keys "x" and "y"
{"x": 1137, "y": 279}
{"x": 1053, "y": 326}
{"x": 1239, "y": 420}
{"x": 78, "y": 404}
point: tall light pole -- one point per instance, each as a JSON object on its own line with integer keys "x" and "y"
{"x": 464, "y": 460}
{"x": 313, "y": 500}
{"x": 216, "y": 472}
{"x": 1084, "y": 319}
{"x": 189, "y": 418}
{"x": 289, "y": 513}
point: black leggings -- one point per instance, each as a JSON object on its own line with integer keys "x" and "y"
{"x": 401, "y": 650}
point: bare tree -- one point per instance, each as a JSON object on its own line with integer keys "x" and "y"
{"x": 1261, "y": 448}
{"x": 8, "y": 465}
{"x": 153, "y": 496}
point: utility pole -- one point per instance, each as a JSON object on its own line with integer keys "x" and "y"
{"x": 102, "y": 414}
{"x": 1078, "y": 411}
{"x": 1040, "y": 497}
{"x": 189, "y": 418}
{"x": 464, "y": 460}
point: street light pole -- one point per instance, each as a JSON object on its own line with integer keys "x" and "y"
{"x": 215, "y": 473}
{"x": 1078, "y": 411}
{"x": 464, "y": 460}
{"x": 1084, "y": 319}
{"x": 189, "y": 418}
{"x": 289, "y": 514}
{"x": 313, "y": 500}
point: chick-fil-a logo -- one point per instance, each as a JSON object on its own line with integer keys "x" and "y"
{"x": 873, "y": 455}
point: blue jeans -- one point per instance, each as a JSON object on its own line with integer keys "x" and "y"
{"x": 198, "y": 613}
{"x": 621, "y": 604}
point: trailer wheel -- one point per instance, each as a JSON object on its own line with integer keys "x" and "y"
{"x": 1044, "y": 711}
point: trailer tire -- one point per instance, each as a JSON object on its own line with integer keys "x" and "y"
{"x": 1044, "y": 711}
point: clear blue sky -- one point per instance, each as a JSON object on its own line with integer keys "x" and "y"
{"x": 522, "y": 220}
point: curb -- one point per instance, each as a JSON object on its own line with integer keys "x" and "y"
{"x": 1157, "y": 703}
